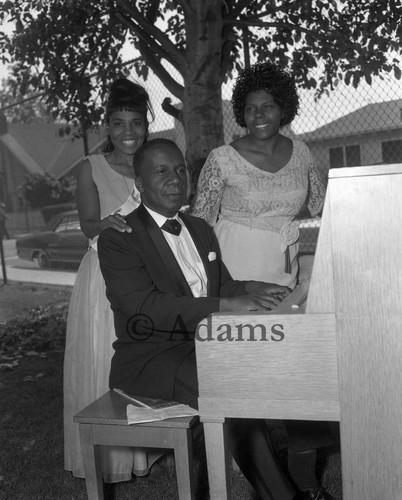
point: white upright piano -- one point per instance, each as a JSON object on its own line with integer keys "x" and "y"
{"x": 335, "y": 356}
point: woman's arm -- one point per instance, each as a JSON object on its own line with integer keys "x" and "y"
{"x": 89, "y": 206}
{"x": 316, "y": 190}
{"x": 210, "y": 187}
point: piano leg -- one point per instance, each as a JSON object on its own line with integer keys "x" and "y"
{"x": 217, "y": 459}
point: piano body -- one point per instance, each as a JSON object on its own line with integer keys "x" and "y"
{"x": 336, "y": 356}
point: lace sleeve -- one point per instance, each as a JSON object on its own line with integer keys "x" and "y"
{"x": 208, "y": 196}
{"x": 316, "y": 191}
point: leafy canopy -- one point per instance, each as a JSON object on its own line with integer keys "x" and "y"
{"x": 73, "y": 49}
{"x": 31, "y": 110}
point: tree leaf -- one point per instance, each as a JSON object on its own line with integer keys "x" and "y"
{"x": 78, "y": 46}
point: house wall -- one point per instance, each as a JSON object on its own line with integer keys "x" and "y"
{"x": 370, "y": 147}
{"x": 13, "y": 174}
{"x": 23, "y": 222}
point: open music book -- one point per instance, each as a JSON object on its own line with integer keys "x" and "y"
{"x": 145, "y": 409}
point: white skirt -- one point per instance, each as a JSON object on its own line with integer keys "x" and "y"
{"x": 255, "y": 254}
{"x": 88, "y": 353}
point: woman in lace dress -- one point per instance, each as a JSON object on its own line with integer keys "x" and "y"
{"x": 252, "y": 190}
{"x": 105, "y": 193}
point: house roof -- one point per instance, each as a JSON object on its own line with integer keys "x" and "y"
{"x": 376, "y": 117}
{"x": 43, "y": 146}
{"x": 39, "y": 147}
{"x": 19, "y": 152}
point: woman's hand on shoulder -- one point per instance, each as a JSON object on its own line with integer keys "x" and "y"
{"x": 115, "y": 221}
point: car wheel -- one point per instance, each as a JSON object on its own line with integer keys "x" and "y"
{"x": 44, "y": 260}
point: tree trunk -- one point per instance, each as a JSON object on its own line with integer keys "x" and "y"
{"x": 202, "y": 98}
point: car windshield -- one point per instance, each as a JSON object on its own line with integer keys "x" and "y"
{"x": 68, "y": 223}
{"x": 64, "y": 222}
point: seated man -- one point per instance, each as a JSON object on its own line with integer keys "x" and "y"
{"x": 161, "y": 280}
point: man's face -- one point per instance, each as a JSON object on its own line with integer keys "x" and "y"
{"x": 163, "y": 180}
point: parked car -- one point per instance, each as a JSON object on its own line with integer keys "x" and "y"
{"x": 62, "y": 242}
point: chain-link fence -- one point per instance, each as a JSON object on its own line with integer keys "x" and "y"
{"x": 348, "y": 127}
{"x": 344, "y": 128}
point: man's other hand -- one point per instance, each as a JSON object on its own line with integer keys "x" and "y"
{"x": 272, "y": 290}
{"x": 261, "y": 302}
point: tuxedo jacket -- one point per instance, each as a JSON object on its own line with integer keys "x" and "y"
{"x": 155, "y": 313}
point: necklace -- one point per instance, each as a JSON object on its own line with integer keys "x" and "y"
{"x": 118, "y": 163}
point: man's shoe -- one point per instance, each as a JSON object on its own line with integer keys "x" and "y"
{"x": 316, "y": 494}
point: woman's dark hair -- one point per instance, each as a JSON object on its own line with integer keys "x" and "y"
{"x": 127, "y": 95}
{"x": 274, "y": 80}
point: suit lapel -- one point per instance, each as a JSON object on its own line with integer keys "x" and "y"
{"x": 203, "y": 250}
{"x": 168, "y": 261}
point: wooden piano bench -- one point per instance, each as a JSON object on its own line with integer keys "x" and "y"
{"x": 104, "y": 422}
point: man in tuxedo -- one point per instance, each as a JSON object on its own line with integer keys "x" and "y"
{"x": 161, "y": 285}
{"x": 161, "y": 280}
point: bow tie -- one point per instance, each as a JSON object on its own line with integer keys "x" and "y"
{"x": 172, "y": 226}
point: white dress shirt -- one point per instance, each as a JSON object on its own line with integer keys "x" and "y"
{"x": 186, "y": 254}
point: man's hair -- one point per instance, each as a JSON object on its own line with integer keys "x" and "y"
{"x": 138, "y": 158}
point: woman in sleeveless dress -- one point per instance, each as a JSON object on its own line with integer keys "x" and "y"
{"x": 105, "y": 193}
{"x": 251, "y": 192}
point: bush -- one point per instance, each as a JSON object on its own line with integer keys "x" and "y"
{"x": 40, "y": 190}
{"x": 42, "y": 331}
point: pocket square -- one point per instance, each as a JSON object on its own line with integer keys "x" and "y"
{"x": 211, "y": 256}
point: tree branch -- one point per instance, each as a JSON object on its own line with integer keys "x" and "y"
{"x": 227, "y": 49}
{"x": 295, "y": 4}
{"x": 335, "y": 35}
{"x": 164, "y": 76}
{"x": 104, "y": 29}
{"x": 171, "y": 110}
{"x": 185, "y": 5}
{"x": 151, "y": 35}
{"x": 282, "y": 26}
{"x": 238, "y": 7}
{"x": 152, "y": 10}
{"x": 269, "y": 12}
{"x": 146, "y": 41}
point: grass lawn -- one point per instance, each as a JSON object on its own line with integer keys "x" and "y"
{"x": 31, "y": 432}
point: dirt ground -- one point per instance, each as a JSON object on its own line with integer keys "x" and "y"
{"x": 17, "y": 298}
